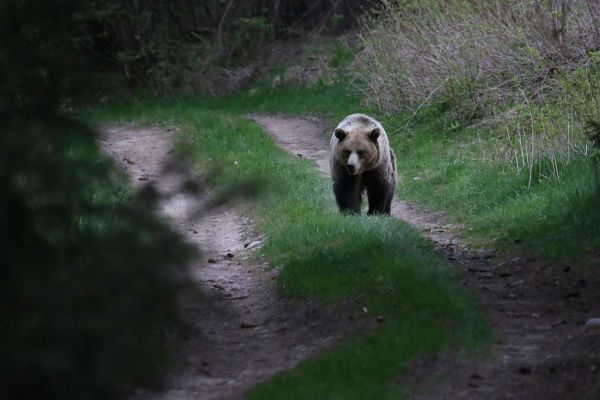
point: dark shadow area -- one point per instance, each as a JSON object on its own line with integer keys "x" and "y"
{"x": 89, "y": 278}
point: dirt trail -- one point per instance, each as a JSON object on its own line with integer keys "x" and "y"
{"x": 538, "y": 311}
{"x": 236, "y": 329}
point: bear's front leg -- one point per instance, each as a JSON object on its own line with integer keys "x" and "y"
{"x": 380, "y": 195}
{"x": 381, "y": 204}
{"x": 347, "y": 192}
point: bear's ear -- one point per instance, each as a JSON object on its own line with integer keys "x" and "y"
{"x": 340, "y": 133}
{"x": 374, "y": 134}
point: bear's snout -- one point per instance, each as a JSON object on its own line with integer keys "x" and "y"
{"x": 353, "y": 164}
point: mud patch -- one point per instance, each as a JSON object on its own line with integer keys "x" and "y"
{"x": 236, "y": 329}
{"x": 538, "y": 310}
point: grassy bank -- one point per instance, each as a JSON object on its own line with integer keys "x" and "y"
{"x": 380, "y": 263}
{"x": 453, "y": 171}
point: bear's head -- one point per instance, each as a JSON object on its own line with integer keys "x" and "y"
{"x": 357, "y": 149}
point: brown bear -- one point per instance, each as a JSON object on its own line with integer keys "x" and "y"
{"x": 361, "y": 159}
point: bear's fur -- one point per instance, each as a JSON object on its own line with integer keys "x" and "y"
{"x": 361, "y": 159}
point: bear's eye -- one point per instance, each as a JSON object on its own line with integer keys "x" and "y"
{"x": 347, "y": 153}
{"x": 360, "y": 153}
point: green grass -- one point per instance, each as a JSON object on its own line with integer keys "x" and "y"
{"x": 332, "y": 102}
{"x": 379, "y": 263}
{"x": 454, "y": 172}
{"x": 362, "y": 368}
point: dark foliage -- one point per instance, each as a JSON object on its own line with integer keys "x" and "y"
{"x": 138, "y": 36}
{"x": 88, "y": 277}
